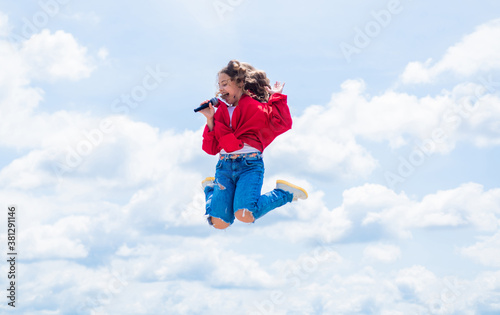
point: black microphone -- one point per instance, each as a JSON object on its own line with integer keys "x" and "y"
{"x": 214, "y": 102}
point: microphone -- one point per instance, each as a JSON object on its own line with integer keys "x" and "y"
{"x": 214, "y": 102}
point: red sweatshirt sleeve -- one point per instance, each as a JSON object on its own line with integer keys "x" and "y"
{"x": 280, "y": 119}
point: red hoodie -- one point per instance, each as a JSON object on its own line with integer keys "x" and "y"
{"x": 254, "y": 123}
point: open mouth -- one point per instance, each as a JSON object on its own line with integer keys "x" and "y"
{"x": 224, "y": 95}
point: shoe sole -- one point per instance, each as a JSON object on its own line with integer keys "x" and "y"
{"x": 206, "y": 181}
{"x": 302, "y": 190}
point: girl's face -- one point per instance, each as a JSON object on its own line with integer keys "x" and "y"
{"x": 229, "y": 90}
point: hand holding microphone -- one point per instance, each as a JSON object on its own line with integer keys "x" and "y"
{"x": 209, "y": 114}
{"x": 214, "y": 101}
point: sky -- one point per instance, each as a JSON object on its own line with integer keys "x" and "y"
{"x": 396, "y": 138}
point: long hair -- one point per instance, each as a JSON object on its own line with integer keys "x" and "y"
{"x": 254, "y": 81}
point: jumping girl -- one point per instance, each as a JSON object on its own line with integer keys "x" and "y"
{"x": 249, "y": 117}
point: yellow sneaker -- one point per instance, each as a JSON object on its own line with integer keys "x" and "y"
{"x": 296, "y": 191}
{"x": 209, "y": 181}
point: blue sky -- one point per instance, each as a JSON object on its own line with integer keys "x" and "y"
{"x": 396, "y": 137}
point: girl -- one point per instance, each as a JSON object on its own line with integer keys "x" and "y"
{"x": 250, "y": 116}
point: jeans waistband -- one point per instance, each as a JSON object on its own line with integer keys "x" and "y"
{"x": 248, "y": 156}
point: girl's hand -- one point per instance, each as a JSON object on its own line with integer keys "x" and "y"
{"x": 209, "y": 113}
{"x": 277, "y": 88}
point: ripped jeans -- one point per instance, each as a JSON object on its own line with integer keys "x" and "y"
{"x": 238, "y": 184}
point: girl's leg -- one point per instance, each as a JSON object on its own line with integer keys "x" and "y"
{"x": 219, "y": 199}
{"x": 248, "y": 201}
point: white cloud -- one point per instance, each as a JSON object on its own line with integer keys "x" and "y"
{"x": 485, "y": 251}
{"x": 14, "y": 74}
{"x": 44, "y": 56}
{"x": 319, "y": 138}
{"x": 476, "y": 52}
{"x": 217, "y": 264}
{"x": 313, "y": 287}
{"x": 56, "y": 56}
{"x": 24, "y": 172}
{"x": 385, "y": 253}
{"x": 103, "y": 53}
{"x": 4, "y": 24}
{"x": 303, "y": 220}
{"x": 324, "y": 138}
{"x": 419, "y": 285}
{"x": 214, "y": 14}
{"x": 60, "y": 240}
{"x": 466, "y": 113}
{"x": 178, "y": 257}
{"x": 367, "y": 212}
{"x": 467, "y": 205}
{"x": 375, "y": 211}
{"x": 84, "y": 288}
{"x": 87, "y": 18}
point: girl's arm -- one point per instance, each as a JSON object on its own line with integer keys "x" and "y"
{"x": 209, "y": 113}
{"x": 210, "y": 143}
{"x": 280, "y": 118}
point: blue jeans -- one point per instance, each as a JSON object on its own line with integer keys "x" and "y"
{"x": 238, "y": 184}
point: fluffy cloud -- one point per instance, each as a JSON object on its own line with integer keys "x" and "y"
{"x": 373, "y": 212}
{"x": 382, "y": 253}
{"x": 476, "y": 52}
{"x": 4, "y": 24}
{"x": 56, "y": 56}
{"x": 309, "y": 284}
{"x": 485, "y": 251}
{"x": 467, "y": 205}
{"x": 319, "y": 138}
{"x": 218, "y": 12}
{"x": 74, "y": 167}
{"x": 64, "y": 239}
{"x": 324, "y": 138}
{"x": 44, "y": 57}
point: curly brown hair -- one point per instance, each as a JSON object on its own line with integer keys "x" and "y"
{"x": 254, "y": 81}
